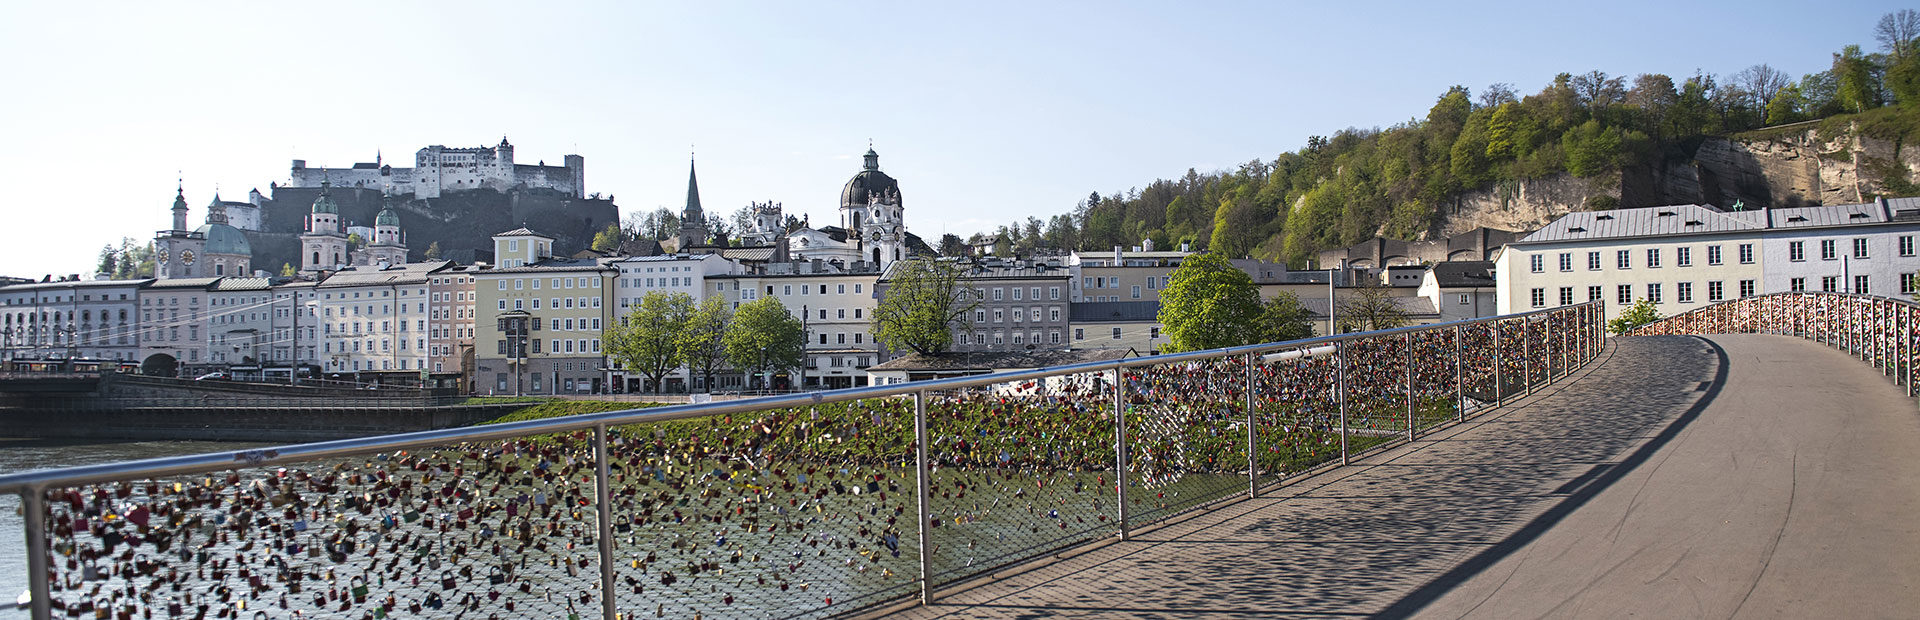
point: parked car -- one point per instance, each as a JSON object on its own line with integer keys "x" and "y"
{"x": 216, "y": 376}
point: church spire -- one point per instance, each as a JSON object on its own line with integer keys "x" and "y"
{"x": 692, "y": 211}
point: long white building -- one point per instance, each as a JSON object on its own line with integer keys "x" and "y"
{"x": 1686, "y": 256}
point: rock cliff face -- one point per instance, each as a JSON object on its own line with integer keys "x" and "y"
{"x": 1525, "y": 205}
{"x": 1787, "y": 166}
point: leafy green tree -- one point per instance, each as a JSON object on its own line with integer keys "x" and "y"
{"x": 765, "y": 337}
{"x": 647, "y": 338}
{"x": 608, "y": 239}
{"x": 1283, "y": 318}
{"x": 952, "y": 245}
{"x": 922, "y": 304}
{"x": 109, "y": 260}
{"x": 355, "y": 241}
{"x": 1857, "y": 89}
{"x": 1785, "y": 106}
{"x": 1208, "y": 303}
{"x": 286, "y": 270}
{"x": 1369, "y": 308}
{"x": 1640, "y": 313}
{"x": 433, "y": 251}
{"x": 1591, "y": 149}
{"x": 702, "y": 344}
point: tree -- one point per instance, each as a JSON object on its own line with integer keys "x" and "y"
{"x": 1497, "y": 94}
{"x": 109, "y": 260}
{"x": 1283, "y": 318}
{"x": 608, "y": 239}
{"x": 922, "y": 303}
{"x": 433, "y": 251}
{"x": 355, "y": 241}
{"x": 1208, "y": 303}
{"x": 647, "y": 338}
{"x": 1640, "y": 313}
{"x": 1369, "y": 308}
{"x": 1761, "y": 83}
{"x": 1856, "y": 89}
{"x": 765, "y": 337}
{"x": 952, "y": 245}
{"x": 286, "y": 270}
{"x": 1896, "y": 33}
{"x": 702, "y": 344}
{"x": 1785, "y": 106}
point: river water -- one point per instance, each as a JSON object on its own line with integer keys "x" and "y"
{"x": 18, "y": 455}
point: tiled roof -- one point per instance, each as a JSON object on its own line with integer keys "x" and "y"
{"x": 522, "y": 232}
{"x": 1461, "y": 274}
{"x": 1707, "y": 219}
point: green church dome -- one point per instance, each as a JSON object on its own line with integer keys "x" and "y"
{"x": 325, "y": 203}
{"x": 224, "y": 239}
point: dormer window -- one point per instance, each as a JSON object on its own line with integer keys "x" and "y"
{"x": 1796, "y": 218}
{"x": 1603, "y": 217}
{"x": 1667, "y": 214}
{"x": 1857, "y": 216}
{"x": 1577, "y": 229}
{"x": 1694, "y": 223}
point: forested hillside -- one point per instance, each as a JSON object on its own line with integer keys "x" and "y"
{"x": 1401, "y": 181}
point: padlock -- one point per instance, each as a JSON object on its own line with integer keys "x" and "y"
{"x": 447, "y": 580}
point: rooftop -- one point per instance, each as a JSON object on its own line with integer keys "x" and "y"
{"x": 995, "y": 360}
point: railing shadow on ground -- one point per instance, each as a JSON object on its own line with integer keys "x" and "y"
{"x": 800, "y": 505}
{"x": 1395, "y": 530}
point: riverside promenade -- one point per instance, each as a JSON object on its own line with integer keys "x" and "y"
{"x": 1676, "y": 476}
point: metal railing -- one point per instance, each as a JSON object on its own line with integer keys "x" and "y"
{"x": 1880, "y": 331}
{"x": 789, "y": 506}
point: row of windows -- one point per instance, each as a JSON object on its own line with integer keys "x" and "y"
{"x": 552, "y": 304}
{"x": 1655, "y": 292}
{"x": 1623, "y": 259}
{"x": 557, "y": 346}
{"x": 1031, "y": 293}
{"x": 556, "y": 283}
{"x": 1019, "y": 314}
{"x": 1829, "y": 250}
{"x": 1000, "y": 338}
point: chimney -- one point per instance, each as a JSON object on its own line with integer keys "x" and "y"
{"x": 1184, "y": 247}
{"x": 1886, "y": 210}
{"x": 1116, "y": 256}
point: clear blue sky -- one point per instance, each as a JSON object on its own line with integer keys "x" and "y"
{"x": 986, "y": 112}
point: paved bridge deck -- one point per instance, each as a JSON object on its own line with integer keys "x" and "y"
{"x": 1736, "y": 476}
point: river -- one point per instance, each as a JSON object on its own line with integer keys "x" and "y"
{"x": 18, "y": 455}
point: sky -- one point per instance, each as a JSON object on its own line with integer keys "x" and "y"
{"x": 986, "y": 112}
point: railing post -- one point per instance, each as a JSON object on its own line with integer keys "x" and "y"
{"x": 923, "y": 492}
{"x": 1499, "y": 373}
{"x": 603, "y": 512}
{"x": 1120, "y": 447}
{"x": 1526, "y": 353}
{"x": 1340, "y": 384}
{"x": 33, "y": 504}
{"x": 1407, "y": 345}
{"x": 1253, "y": 456}
{"x": 1459, "y": 374}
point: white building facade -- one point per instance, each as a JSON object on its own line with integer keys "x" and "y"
{"x": 1683, "y": 257}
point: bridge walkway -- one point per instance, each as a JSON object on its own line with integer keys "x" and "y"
{"x": 1732, "y": 476}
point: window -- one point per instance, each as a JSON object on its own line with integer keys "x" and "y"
{"x": 1683, "y": 292}
{"x": 1746, "y": 253}
{"x": 1566, "y": 261}
{"x": 1566, "y": 295}
{"x": 1136, "y": 291}
{"x": 1830, "y": 284}
{"x": 1653, "y": 258}
{"x": 1796, "y": 251}
{"x": 1053, "y": 293}
{"x": 1537, "y": 262}
{"x": 1465, "y": 299}
{"x": 1683, "y": 256}
{"x": 1017, "y": 293}
{"x": 1593, "y": 261}
{"x": 1593, "y": 293}
{"x": 999, "y": 293}
{"x": 1653, "y": 292}
{"x": 1716, "y": 290}
{"x": 1827, "y": 251}
{"x": 1539, "y": 297}
{"x": 1797, "y": 285}
{"x": 999, "y": 315}
{"x": 1906, "y": 245}
{"x": 1906, "y": 283}
{"x": 1860, "y": 248}
{"x": 1079, "y": 334}
{"x": 1859, "y": 286}
{"x": 1622, "y": 260}
{"x": 1116, "y": 333}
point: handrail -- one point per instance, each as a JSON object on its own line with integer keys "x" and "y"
{"x": 93, "y": 474}
{"x": 1178, "y": 423}
{"x": 1878, "y": 330}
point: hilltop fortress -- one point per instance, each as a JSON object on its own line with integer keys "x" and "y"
{"x": 439, "y": 169}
